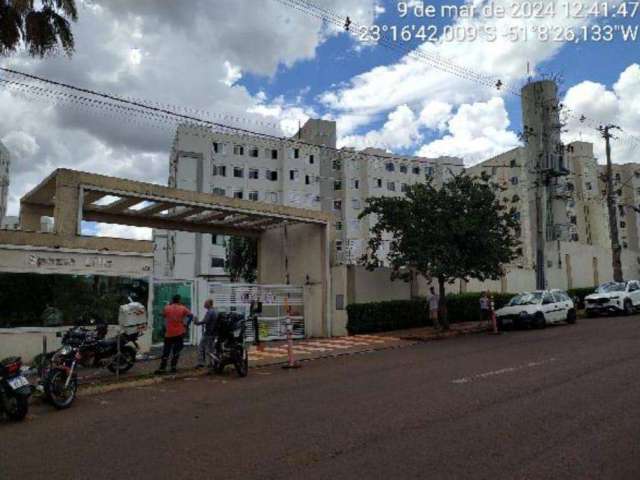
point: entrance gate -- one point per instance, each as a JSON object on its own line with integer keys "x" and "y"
{"x": 237, "y": 297}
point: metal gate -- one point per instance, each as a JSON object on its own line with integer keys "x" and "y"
{"x": 237, "y": 297}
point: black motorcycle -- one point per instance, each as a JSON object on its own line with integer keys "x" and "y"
{"x": 15, "y": 389}
{"x": 97, "y": 351}
{"x": 230, "y": 347}
{"x": 59, "y": 377}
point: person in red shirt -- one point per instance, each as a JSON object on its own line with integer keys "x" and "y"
{"x": 176, "y": 317}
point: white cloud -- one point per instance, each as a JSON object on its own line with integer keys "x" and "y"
{"x": 233, "y": 74}
{"x": 400, "y": 131}
{"x": 476, "y": 132}
{"x": 620, "y": 106}
{"x": 435, "y": 115}
{"x": 123, "y": 231}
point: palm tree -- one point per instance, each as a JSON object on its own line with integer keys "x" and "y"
{"x": 41, "y": 31}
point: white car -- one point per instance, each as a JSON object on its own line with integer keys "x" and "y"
{"x": 614, "y": 297}
{"x": 539, "y": 309}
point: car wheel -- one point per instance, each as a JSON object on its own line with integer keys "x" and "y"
{"x": 628, "y": 307}
{"x": 571, "y": 317}
{"x": 539, "y": 320}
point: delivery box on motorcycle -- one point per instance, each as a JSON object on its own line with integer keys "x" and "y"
{"x": 133, "y": 318}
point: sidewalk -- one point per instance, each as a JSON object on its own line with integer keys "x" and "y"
{"x": 275, "y": 353}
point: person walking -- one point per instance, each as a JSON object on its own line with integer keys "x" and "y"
{"x": 485, "y": 308}
{"x": 434, "y": 303}
{"x": 209, "y": 330}
{"x": 177, "y": 317}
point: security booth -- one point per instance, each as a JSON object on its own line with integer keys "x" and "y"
{"x": 293, "y": 247}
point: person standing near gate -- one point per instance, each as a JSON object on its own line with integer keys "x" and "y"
{"x": 210, "y": 322}
{"x": 176, "y": 317}
{"x": 485, "y": 308}
{"x": 434, "y": 303}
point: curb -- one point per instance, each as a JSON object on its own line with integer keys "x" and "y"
{"x": 90, "y": 389}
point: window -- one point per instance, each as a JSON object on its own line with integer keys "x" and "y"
{"x": 338, "y": 226}
{"x": 623, "y": 224}
{"x": 254, "y": 174}
{"x": 514, "y": 180}
{"x": 391, "y": 186}
{"x": 296, "y": 153}
{"x": 621, "y": 210}
{"x": 404, "y": 187}
{"x": 390, "y": 167}
{"x": 216, "y": 147}
{"x": 253, "y": 152}
{"x": 254, "y": 196}
{"x": 337, "y": 204}
{"x": 574, "y": 219}
{"x": 220, "y": 170}
{"x": 355, "y": 183}
{"x": 355, "y": 203}
{"x": 378, "y": 182}
{"x": 217, "y": 262}
{"x": 312, "y": 160}
{"x": 218, "y": 191}
{"x": 336, "y": 165}
{"x": 272, "y": 175}
{"x": 272, "y": 197}
{"x": 293, "y": 175}
{"x": 428, "y": 173}
{"x": 238, "y": 194}
{"x": 515, "y": 199}
{"x": 617, "y": 178}
{"x": 214, "y": 239}
{"x": 633, "y": 286}
{"x": 238, "y": 172}
{"x": 338, "y": 245}
{"x": 274, "y": 154}
{"x": 238, "y": 150}
{"x": 404, "y": 169}
{"x": 516, "y": 216}
{"x": 307, "y": 180}
{"x": 337, "y": 185}
{"x": 512, "y": 163}
{"x": 547, "y": 298}
{"x": 416, "y": 170}
{"x": 588, "y": 185}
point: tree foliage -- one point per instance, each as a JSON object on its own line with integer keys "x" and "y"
{"x": 242, "y": 259}
{"x": 42, "y": 27}
{"x": 458, "y": 231}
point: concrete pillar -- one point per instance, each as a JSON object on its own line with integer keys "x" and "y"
{"x": 30, "y": 216}
{"x": 67, "y": 207}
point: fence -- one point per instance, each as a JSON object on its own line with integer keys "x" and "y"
{"x": 237, "y": 297}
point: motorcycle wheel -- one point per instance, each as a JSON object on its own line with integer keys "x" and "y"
{"x": 55, "y": 391}
{"x": 127, "y": 359}
{"x": 242, "y": 365}
{"x": 16, "y": 407}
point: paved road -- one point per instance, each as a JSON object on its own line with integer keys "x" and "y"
{"x": 555, "y": 403}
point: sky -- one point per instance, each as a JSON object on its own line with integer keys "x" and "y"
{"x": 266, "y": 66}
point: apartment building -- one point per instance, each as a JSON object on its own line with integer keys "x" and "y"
{"x": 306, "y": 171}
{"x": 239, "y": 166}
{"x": 626, "y": 184}
{"x": 5, "y": 163}
{"x": 575, "y": 209}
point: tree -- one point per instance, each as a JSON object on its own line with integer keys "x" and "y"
{"x": 242, "y": 259}
{"x": 458, "y": 231}
{"x": 41, "y": 30}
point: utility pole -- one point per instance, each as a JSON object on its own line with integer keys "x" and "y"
{"x": 616, "y": 250}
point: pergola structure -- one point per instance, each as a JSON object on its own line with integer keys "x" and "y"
{"x": 71, "y": 197}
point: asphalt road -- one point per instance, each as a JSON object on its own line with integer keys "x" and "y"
{"x": 555, "y": 403}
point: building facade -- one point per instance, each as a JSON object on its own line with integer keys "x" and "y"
{"x": 305, "y": 171}
{"x": 5, "y": 164}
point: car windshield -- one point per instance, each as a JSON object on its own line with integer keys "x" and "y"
{"x": 526, "y": 299}
{"x": 612, "y": 287}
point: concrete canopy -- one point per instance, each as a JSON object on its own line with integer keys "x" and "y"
{"x": 71, "y": 197}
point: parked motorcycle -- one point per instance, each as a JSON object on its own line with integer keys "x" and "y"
{"x": 230, "y": 346}
{"x": 15, "y": 389}
{"x": 59, "y": 377}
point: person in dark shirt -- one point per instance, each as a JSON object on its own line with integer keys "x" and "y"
{"x": 209, "y": 330}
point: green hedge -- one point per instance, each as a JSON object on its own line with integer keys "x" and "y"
{"x": 398, "y": 314}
